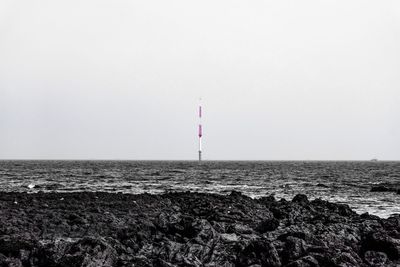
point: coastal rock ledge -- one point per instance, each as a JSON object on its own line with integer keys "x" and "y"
{"x": 190, "y": 229}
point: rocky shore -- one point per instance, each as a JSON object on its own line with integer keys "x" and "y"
{"x": 190, "y": 229}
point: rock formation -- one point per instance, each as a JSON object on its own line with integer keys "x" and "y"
{"x": 190, "y": 229}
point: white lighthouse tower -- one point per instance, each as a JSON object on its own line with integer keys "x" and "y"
{"x": 200, "y": 132}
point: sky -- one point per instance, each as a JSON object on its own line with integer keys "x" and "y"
{"x": 279, "y": 80}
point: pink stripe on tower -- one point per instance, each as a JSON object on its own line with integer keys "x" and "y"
{"x": 200, "y": 131}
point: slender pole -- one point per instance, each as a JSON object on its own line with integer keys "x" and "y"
{"x": 200, "y": 132}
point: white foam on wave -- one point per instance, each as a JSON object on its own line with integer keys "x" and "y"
{"x": 30, "y": 186}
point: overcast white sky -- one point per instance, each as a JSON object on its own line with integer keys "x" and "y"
{"x": 280, "y": 80}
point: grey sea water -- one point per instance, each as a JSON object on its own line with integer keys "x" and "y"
{"x": 342, "y": 182}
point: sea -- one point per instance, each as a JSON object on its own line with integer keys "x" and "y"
{"x": 347, "y": 182}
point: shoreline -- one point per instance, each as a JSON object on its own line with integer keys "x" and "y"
{"x": 38, "y": 189}
{"x": 190, "y": 229}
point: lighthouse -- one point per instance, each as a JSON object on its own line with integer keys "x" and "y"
{"x": 200, "y": 132}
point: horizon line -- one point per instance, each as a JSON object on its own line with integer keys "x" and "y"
{"x": 189, "y": 160}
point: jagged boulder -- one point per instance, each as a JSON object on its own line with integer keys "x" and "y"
{"x": 85, "y": 252}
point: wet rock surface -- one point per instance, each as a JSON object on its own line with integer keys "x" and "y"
{"x": 190, "y": 229}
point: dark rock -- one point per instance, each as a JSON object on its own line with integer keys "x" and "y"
{"x": 381, "y": 241}
{"x": 299, "y": 234}
{"x": 300, "y": 198}
{"x": 12, "y": 244}
{"x": 190, "y": 229}
{"x": 12, "y": 262}
{"x": 236, "y": 194}
{"x": 347, "y": 259}
{"x": 88, "y": 252}
{"x": 307, "y": 261}
{"x": 76, "y": 219}
{"x": 374, "y": 258}
{"x": 267, "y": 225}
{"x": 260, "y": 252}
{"x": 294, "y": 248}
{"x": 268, "y": 199}
{"x": 239, "y": 229}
